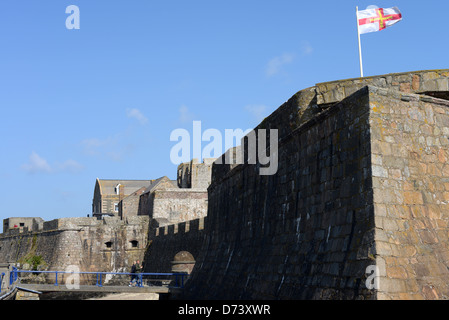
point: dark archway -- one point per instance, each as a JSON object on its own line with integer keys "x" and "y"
{"x": 183, "y": 262}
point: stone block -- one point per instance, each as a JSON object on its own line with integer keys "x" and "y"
{"x": 392, "y": 285}
{"x": 413, "y": 197}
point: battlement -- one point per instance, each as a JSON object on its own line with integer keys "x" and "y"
{"x": 168, "y": 242}
{"x": 180, "y": 228}
{"x": 37, "y": 225}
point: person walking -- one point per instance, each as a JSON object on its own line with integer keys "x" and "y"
{"x": 133, "y": 274}
{"x": 138, "y": 271}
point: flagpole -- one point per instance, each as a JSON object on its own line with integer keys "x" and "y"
{"x": 358, "y": 35}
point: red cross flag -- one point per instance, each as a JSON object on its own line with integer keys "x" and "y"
{"x": 375, "y": 19}
{"x": 371, "y": 20}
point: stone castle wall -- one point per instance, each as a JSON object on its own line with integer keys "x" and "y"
{"x": 168, "y": 203}
{"x": 361, "y": 183}
{"x": 90, "y": 244}
{"x": 302, "y": 233}
{"x": 167, "y": 241}
{"x": 178, "y": 205}
{"x": 194, "y": 174}
{"x": 112, "y": 243}
{"x": 410, "y": 152}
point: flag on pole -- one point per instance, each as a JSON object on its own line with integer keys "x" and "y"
{"x": 371, "y": 20}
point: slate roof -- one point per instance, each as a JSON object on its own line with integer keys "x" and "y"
{"x": 107, "y": 186}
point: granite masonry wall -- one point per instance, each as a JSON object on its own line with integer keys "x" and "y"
{"x": 357, "y": 208}
{"x": 92, "y": 245}
{"x": 178, "y": 205}
{"x": 194, "y": 174}
{"x": 166, "y": 202}
{"x": 167, "y": 241}
{"x": 129, "y": 206}
{"x": 410, "y": 176}
{"x": 303, "y": 233}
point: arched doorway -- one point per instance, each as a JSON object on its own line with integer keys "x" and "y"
{"x": 183, "y": 262}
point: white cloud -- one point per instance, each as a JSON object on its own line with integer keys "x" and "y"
{"x": 136, "y": 114}
{"x": 274, "y": 65}
{"x": 36, "y": 164}
{"x": 258, "y": 112}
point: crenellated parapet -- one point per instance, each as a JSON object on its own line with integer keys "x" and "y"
{"x": 180, "y": 228}
{"x": 166, "y": 242}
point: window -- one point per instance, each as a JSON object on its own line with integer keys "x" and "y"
{"x": 22, "y": 224}
{"x": 108, "y": 244}
{"x": 116, "y": 207}
{"x": 134, "y": 243}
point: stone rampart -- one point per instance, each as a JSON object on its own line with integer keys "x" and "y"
{"x": 165, "y": 242}
{"x": 91, "y": 244}
{"x": 360, "y": 188}
{"x": 297, "y": 234}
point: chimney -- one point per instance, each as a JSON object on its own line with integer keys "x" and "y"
{"x": 121, "y": 192}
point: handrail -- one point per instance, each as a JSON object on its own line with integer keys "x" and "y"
{"x": 99, "y": 274}
{"x": 12, "y": 286}
{"x": 13, "y": 276}
{"x": 9, "y": 293}
{"x": 1, "y": 280}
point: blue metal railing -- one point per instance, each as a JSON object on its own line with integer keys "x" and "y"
{"x": 178, "y": 277}
{"x": 13, "y": 276}
{"x": 1, "y": 280}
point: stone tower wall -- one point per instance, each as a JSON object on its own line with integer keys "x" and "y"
{"x": 410, "y": 169}
{"x": 357, "y": 208}
{"x": 305, "y": 232}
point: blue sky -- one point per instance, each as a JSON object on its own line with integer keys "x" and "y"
{"x": 102, "y": 101}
